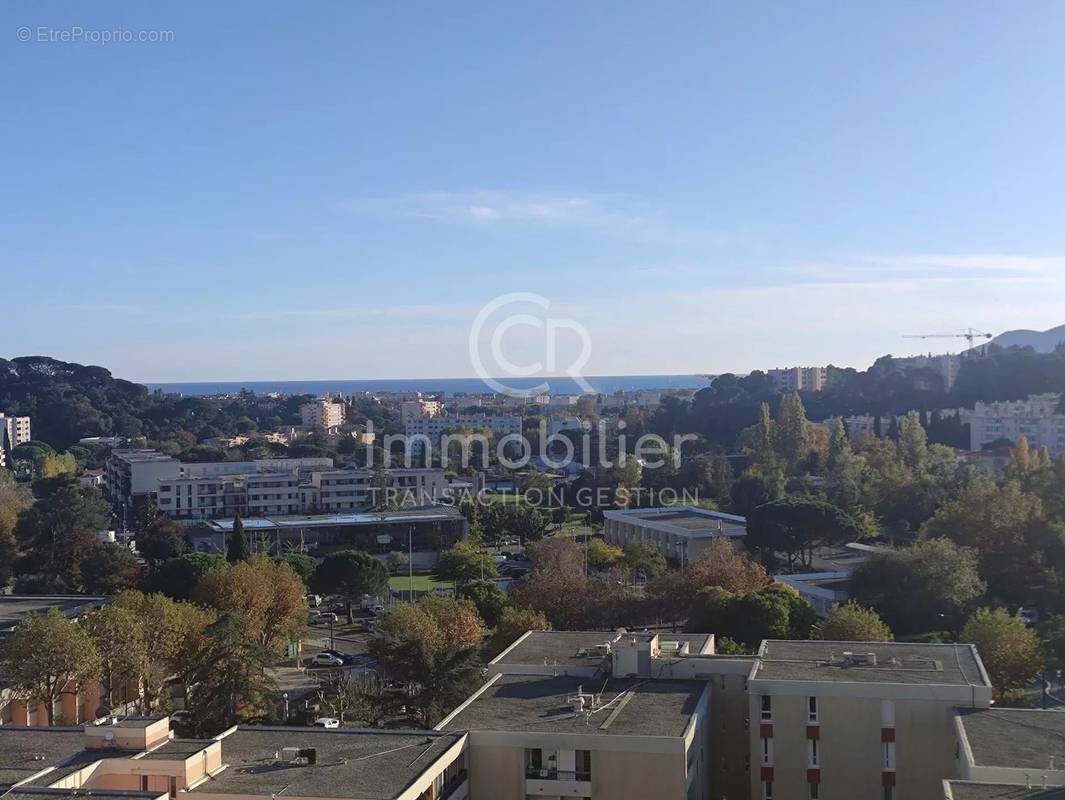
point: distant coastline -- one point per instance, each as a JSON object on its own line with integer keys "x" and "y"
{"x": 605, "y": 384}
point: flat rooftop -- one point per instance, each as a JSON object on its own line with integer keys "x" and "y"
{"x": 434, "y": 514}
{"x": 684, "y": 520}
{"x": 930, "y": 664}
{"x": 625, "y": 707}
{"x": 367, "y": 764}
{"x": 42, "y": 793}
{"x": 13, "y": 608}
{"x": 1014, "y": 737}
{"x": 966, "y": 790}
{"x": 577, "y": 648}
{"x": 26, "y": 751}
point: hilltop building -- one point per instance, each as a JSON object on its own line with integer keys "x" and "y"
{"x": 799, "y": 379}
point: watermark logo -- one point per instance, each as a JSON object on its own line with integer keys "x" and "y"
{"x": 518, "y": 323}
{"x": 76, "y": 34}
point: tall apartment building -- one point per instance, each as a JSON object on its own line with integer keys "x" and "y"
{"x": 947, "y": 366}
{"x": 799, "y": 379}
{"x": 1037, "y": 418}
{"x": 13, "y": 432}
{"x": 422, "y": 407}
{"x": 322, "y": 415}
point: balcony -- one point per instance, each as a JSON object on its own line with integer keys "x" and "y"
{"x": 457, "y": 788}
{"x": 557, "y": 783}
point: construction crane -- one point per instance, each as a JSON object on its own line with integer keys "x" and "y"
{"x": 968, "y": 334}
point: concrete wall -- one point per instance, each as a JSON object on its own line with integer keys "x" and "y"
{"x": 497, "y": 773}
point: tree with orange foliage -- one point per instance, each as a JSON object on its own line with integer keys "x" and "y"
{"x": 266, "y": 595}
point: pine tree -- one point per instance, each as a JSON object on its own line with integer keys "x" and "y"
{"x": 764, "y": 454}
{"x": 238, "y": 543}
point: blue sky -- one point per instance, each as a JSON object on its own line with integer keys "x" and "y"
{"x": 334, "y": 189}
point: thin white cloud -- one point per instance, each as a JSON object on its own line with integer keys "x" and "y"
{"x": 927, "y": 266}
{"x": 489, "y": 207}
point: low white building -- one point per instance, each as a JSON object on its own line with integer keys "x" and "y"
{"x": 681, "y": 533}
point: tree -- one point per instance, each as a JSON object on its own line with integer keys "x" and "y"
{"x": 464, "y": 563}
{"x": 47, "y": 655}
{"x": 438, "y": 621}
{"x": 237, "y": 548}
{"x": 351, "y": 574}
{"x": 346, "y": 695}
{"x": 490, "y": 600}
{"x": 267, "y": 597}
{"x": 513, "y": 624}
{"x": 843, "y": 477}
{"x": 160, "y": 539}
{"x": 643, "y": 558}
{"x": 302, "y": 565}
{"x": 170, "y": 631}
{"x": 1007, "y": 528}
{"x": 723, "y": 565}
{"x": 796, "y": 526}
{"x": 773, "y": 612}
{"x": 178, "y": 578}
{"x": 117, "y": 634}
{"x": 61, "y": 526}
{"x": 109, "y": 568}
{"x": 558, "y": 586}
{"x": 442, "y": 677}
{"x": 791, "y": 433}
{"x": 14, "y": 499}
{"x": 599, "y": 554}
{"x": 912, "y": 444}
{"x": 927, "y": 586}
{"x": 1008, "y": 648}
{"x": 756, "y": 487}
{"x": 229, "y": 678}
{"x": 849, "y": 622}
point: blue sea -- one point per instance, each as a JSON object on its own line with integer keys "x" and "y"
{"x": 605, "y": 384}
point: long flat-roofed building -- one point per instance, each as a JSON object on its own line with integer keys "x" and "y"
{"x": 681, "y": 533}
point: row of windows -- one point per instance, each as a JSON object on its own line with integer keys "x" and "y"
{"x": 887, "y": 711}
{"x": 815, "y": 791}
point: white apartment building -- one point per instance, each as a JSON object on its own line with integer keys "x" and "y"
{"x": 681, "y": 533}
{"x": 322, "y": 415}
{"x": 947, "y": 366}
{"x": 1036, "y": 418}
{"x": 799, "y": 379}
{"x": 292, "y": 489}
{"x": 432, "y": 427}
{"x": 13, "y": 432}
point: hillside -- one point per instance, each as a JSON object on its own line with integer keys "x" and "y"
{"x": 1040, "y": 341}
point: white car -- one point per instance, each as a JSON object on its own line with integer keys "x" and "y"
{"x": 327, "y": 722}
{"x": 327, "y": 660}
{"x": 324, "y": 617}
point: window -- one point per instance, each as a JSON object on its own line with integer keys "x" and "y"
{"x": 812, "y": 710}
{"x": 889, "y": 793}
{"x": 815, "y": 791}
{"x": 812, "y": 753}
{"x": 583, "y": 765}
{"x": 767, "y": 752}
{"x": 889, "y": 755}
{"x": 767, "y": 790}
{"x": 767, "y": 707}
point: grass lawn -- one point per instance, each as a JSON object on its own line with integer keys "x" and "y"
{"x": 422, "y": 583}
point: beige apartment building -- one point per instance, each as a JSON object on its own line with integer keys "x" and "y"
{"x": 322, "y": 416}
{"x": 13, "y": 432}
{"x": 799, "y": 379}
{"x": 838, "y": 720}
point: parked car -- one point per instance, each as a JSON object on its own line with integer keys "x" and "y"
{"x": 180, "y": 717}
{"x": 377, "y": 610}
{"x": 314, "y": 600}
{"x": 327, "y": 722}
{"x": 1030, "y": 615}
{"x": 345, "y": 658}
{"x": 327, "y": 660}
{"x": 324, "y": 617}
